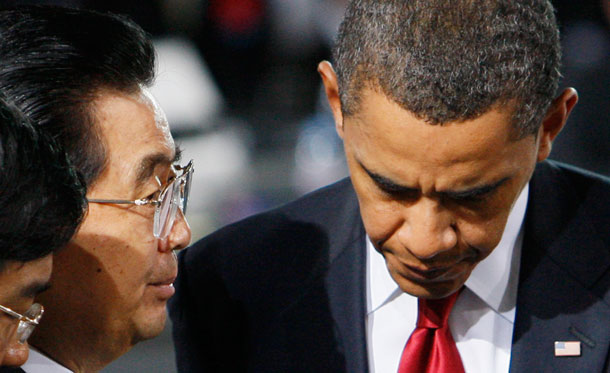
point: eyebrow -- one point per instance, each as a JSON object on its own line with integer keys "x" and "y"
{"x": 476, "y": 191}
{"x": 35, "y": 288}
{"x": 393, "y": 187}
{"x": 151, "y": 161}
{"x": 387, "y": 184}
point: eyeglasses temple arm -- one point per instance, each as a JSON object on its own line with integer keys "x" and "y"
{"x": 18, "y": 316}
{"x": 138, "y": 202}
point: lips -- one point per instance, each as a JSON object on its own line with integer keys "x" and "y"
{"x": 166, "y": 274}
{"x": 166, "y": 282}
{"x": 163, "y": 289}
{"x": 428, "y": 273}
{"x": 433, "y": 274}
{"x": 162, "y": 285}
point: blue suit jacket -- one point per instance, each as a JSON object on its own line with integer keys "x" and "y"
{"x": 284, "y": 291}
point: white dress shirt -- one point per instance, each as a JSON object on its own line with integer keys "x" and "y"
{"x": 39, "y": 363}
{"x": 481, "y": 321}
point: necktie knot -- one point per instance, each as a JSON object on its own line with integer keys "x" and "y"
{"x": 434, "y": 313}
{"x": 431, "y": 348}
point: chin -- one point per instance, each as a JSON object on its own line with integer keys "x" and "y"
{"x": 151, "y": 324}
{"x": 435, "y": 290}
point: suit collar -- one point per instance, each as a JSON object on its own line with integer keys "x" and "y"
{"x": 561, "y": 218}
{"x": 345, "y": 283}
{"x": 563, "y": 258}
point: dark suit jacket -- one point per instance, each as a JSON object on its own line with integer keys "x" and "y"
{"x": 11, "y": 370}
{"x": 285, "y": 291}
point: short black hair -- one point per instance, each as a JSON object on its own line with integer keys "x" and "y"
{"x": 451, "y": 60}
{"x": 55, "y": 61}
{"x": 42, "y": 199}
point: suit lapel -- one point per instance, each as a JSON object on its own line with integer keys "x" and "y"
{"x": 559, "y": 297}
{"x": 325, "y": 327}
{"x": 345, "y": 283}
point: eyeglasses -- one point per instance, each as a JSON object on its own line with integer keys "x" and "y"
{"x": 175, "y": 194}
{"x": 27, "y": 322}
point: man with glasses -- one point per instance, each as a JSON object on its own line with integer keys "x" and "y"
{"x": 82, "y": 77}
{"x": 42, "y": 201}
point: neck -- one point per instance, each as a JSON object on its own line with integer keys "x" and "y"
{"x": 76, "y": 353}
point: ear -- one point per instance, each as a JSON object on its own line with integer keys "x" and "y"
{"x": 555, "y": 119}
{"x": 331, "y": 87}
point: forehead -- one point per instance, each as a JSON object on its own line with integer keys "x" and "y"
{"x": 386, "y": 137}
{"x": 134, "y": 128}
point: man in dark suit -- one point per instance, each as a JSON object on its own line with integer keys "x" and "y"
{"x": 447, "y": 111}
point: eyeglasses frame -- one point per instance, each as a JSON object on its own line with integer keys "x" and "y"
{"x": 186, "y": 171}
{"x": 22, "y": 318}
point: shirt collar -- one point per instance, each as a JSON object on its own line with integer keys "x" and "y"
{"x": 39, "y": 363}
{"x": 494, "y": 279}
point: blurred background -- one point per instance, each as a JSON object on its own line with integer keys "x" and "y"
{"x": 238, "y": 82}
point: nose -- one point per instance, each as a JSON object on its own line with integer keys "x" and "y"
{"x": 428, "y": 229}
{"x": 180, "y": 235}
{"x": 16, "y": 354}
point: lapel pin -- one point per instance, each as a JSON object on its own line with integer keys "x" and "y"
{"x": 567, "y": 348}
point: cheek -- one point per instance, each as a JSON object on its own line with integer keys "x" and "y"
{"x": 117, "y": 229}
{"x": 381, "y": 218}
{"x": 114, "y": 258}
{"x": 120, "y": 221}
{"x": 484, "y": 236}
{"x": 126, "y": 264}
{"x": 6, "y": 335}
{"x": 484, "y": 230}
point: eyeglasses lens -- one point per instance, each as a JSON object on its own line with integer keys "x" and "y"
{"x": 163, "y": 212}
{"x": 176, "y": 195}
{"x": 186, "y": 190}
{"x": 25, "y": 328}
{"x": 173, "y": 196}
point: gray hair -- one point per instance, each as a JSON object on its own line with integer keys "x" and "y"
{"x": 452, "y": 60}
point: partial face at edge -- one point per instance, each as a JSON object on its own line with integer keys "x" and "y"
{"x": 19, "y": 284}
{"x": 434, "y": 199}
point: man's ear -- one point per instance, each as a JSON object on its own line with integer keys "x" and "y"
{"x": 555, "y": 119}
{"x": 331, "y": 87}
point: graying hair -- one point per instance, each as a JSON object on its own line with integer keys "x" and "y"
{"x": 448, "y": 61}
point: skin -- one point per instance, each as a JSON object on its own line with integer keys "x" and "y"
{"x": 112, "y": 282}
{"x": 435, "y": 199}
{"x": 19, "y": 283}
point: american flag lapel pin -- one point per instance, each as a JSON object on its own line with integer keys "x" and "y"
{"x": 567, "y": 348}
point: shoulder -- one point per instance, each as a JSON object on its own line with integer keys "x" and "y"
{"x": 305, "y": 222}
{"x": 281, "y": 251}
{"x": 569, "y": 211}
{"x": 572, "y": 177}
{"x": 570, "y": 192}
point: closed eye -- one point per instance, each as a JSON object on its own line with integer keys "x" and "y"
{"x": 472, "y": 197}
{"x": 477, "y": 194}
{"x": 153, "y": 196}
{"x": 390, "y": 188}
{"x": 399, "y": 192}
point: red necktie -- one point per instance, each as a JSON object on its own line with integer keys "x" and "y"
{"x": 431, "y": 348}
